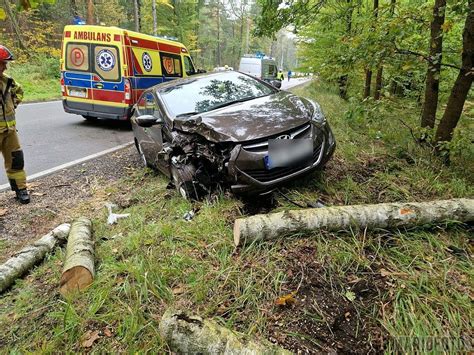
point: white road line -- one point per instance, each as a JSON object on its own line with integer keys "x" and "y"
{"x": 68, "y": 165}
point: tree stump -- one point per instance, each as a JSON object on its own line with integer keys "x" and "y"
{"x": 186, "y": 334}
{"x": 78, "y": 271}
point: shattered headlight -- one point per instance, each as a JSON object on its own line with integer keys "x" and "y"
{"x": 318, "y": 115}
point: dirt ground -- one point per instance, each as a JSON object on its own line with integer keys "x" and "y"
{"x": 53, "y": 196}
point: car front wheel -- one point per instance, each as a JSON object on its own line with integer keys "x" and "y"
{"x": 183, "y": 177}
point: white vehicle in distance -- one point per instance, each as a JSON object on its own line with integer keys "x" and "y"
{"x": 261, "y": 68}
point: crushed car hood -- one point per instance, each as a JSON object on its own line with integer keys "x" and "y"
{"x": 250, "y": 120}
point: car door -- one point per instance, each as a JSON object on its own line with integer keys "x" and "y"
{"x": 150, "y": 138}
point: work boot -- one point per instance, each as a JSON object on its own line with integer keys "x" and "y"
{"x": 23, "y": 196}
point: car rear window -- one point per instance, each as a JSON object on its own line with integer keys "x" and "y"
{"x": 206, "y": 93}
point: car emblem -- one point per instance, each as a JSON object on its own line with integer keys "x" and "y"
{"x": 284, "y": 136}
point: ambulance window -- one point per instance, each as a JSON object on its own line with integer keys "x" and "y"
{"x": 188, "y": 66}
{"x": 171, "y": 65}
{"x": 106, "y": 62}
{"x": 147, "y": 105}
{"x": 77, "y": 57}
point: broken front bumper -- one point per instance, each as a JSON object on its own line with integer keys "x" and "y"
{"x": 249, "y": 175}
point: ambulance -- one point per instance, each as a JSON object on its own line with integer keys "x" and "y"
{"x": 104, "y": 70}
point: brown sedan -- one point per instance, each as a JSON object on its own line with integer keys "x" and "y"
{"x": 231, "y": 130}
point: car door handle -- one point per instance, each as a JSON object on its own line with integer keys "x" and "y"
{"x": 98, "y": 86}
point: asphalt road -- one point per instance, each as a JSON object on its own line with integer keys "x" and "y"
{"x": 50, "y": 137}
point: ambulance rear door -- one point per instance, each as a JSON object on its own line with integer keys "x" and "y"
{"x": 77, "y": 75}
{"x": 107, "y": 82}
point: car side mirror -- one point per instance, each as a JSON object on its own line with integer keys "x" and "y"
{"x": 201, "y": 71}
{"x": 276, "y": 83}
{"x": 148, "y": 120}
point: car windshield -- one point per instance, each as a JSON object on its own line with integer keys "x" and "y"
{"x": 210, "y": 92}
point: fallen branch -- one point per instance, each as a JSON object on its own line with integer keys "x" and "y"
{"x": 384, "y": 215}
{"x": 78, "y": 271}
{"x": 24, "y": 260}
{"x": 186, "y": 334}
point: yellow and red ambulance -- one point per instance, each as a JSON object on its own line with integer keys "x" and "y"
{"x": 104, "y": 70}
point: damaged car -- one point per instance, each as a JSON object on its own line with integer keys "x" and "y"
{"x": 228, "y": 130}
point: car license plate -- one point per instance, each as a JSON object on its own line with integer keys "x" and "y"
{"x": 78, "y": 92}
{"x": 283, "y": 153}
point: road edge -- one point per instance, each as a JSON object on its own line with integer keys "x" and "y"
{"x": 50, "y": 171}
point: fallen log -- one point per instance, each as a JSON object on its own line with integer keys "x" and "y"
{"x": 187, "y": 334}
{"x": 78, "y": 271}
{"x": 29, "y": 256}
{"x": 384, "y": 215}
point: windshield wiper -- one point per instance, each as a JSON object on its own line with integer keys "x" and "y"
{"x": 233, "y": 102}
{"x": 187, "y": 114}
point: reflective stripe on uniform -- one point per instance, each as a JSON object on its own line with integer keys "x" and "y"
{"x": 19, "y": 175}
{"x": 9, "y": 122}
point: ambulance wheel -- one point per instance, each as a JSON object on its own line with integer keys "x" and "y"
{"x": 90, "y": 118}
{"x": 183, "y": 181}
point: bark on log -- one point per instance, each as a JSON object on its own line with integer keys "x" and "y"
{"x": 31, "y": 255}
{"x": 78, "y": 271}
{"x": 187, "y": 334}
{"x": 384, "y": 215}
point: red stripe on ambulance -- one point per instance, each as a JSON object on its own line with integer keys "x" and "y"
{"x": 169, "y": 48}
{"x": 106, "y": 95}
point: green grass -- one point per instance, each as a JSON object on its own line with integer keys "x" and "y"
{"x": 39, "y": 78}
{"x": 418, "y": 286}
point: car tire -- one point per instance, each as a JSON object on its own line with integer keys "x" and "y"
{"x": 183, "y": 179}
{"x": 90, "y": 118}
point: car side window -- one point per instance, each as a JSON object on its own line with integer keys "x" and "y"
{"x": 188, "y": 66}
{"x": 147, "y": 105}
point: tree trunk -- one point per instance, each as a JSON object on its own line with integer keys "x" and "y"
{"x": 342, "y": 83}
{"x": 78, "y": 271}
{"x": 15, "y": 26}
{"x": 187, "y": 334}
{"x": 430, "y": 105}
{"x": 368, "y": 80}
{"x": 29, "y": 256}
{"x": 73, "y": 5}
{"x": 136, "y": 7}
{"x": 378, "y": 83}
{"x": 463, "y": 83}
{"x": 218, "y": 34}
{"x": 384, "y": 215}
{"x": 90, "y": 13}
{"x": 155, "y": 24}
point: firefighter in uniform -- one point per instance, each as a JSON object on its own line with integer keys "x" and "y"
{"x": 11, "y": 95}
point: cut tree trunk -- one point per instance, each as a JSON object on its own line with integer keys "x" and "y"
{"x": 78, "y": 271}
{"x": 187, "y": 334}
{"x": 384, "y": 215}
{"x": 428, "y": 116}
{"x": 462, "y": 85}
{"x": 29, "y": 256}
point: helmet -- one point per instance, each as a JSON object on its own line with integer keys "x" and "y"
{"x": 5, "y": 53}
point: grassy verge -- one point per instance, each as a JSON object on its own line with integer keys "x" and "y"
{"x": 356, "y": 292}
{"x": 39, "y": 79}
